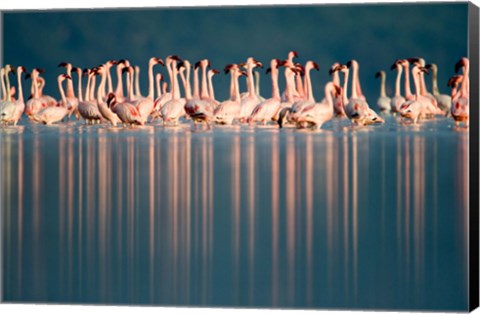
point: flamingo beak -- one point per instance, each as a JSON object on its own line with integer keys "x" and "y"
{"x": 62, "y": 64}
{"x": 378, "y": 74}
{"x": 160, "y": 61}
{"x": 268, "y": 70}
{"x": 459, "y": 65}
{"x": 215, "y": 71}
{"x": 316, "y": 66}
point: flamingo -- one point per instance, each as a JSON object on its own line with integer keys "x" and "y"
{"x": 356, "y": 108}
{"x": 199, "y": 110}
{"x": 417, "y": 108}
{"x": 166, "y": 96}
{"x": 432, "y": 109}
{"x": 211, "y": 91}
{"x": 72, "y": 101}
{"x": 315, "y": 115}
{"x": 453, "y": 82}
{"x": 125, "y": 110}
{"x": 251, "y": 99}
{"x": 289, "y": 63}
{"x": 54, "y": 114}
{"x": 173, "y": 109}
{"x": 104, "y": 109}
{"x": 461, "y": 101}
{"x": 49, "y": 100}
{"x": 145, "y": 105}
{"x": 12, "y": 112}
{"x": 397, "y": 100}
{"x": 88, "y": 108}
{"x": 35, "y": 103}
{"x": 338, "y": 99}
{"x": 229, "y": 110}
{"x": 204, "y": 91}
{"x": 383, "y": 102}
{"x": 267, "y": 109}
{"x": 444, "y": 101}
{"x": 7, "y": 106}
{"x": 138, "y": 93}
{"x": 298, "y": 106}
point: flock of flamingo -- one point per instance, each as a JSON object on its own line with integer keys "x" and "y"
{"x": 295, "y": 106}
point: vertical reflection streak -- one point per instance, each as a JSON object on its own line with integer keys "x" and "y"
{"x": 346, "y": 212}
{"x": 290, "y": 204}
{"x": 236, "y": 167}
{"x": 20, "y": 213}
{"x": 251, "y": 214}
{"x": 70, "y": 211}
{"x": 151, "y": 212}
{"x": 355, "y": 214}
{"x": 61, "y": 209}
{"x": 309, "y": 219}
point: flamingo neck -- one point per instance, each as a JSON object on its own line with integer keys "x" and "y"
{"x": 170, "y": 75}
{"x": 188, "y": 89}
{"x": 435, "y": 89}
{"x": 70, "y": 89}
{"x": 257, "y": 83}
{"x": 196, "y": 93}
{"x": 465, "y": 87}
{"x": 150, "y": 81}
{"x": 137, "y": 83}
{"x": 204, "y": 90}
{"x": 382, "y": 86}
{"x": 423, "y": 88}
{"x": 7, "y": 79}
{"x": 109, "y": 79}
{"x": 92, "y": 88}
{"x": 119, "y": 89}
{"x": 354, "y": 83}
{"x": 250, "y": 84}
{"x": 232, "y": 85}
{"x": 345, "y": 87}
{"x": 236, "y": 88}
{"x": 62, "y": 93}
{"x": 328, "y": 94}
{"x": 19, "y": 83}
{"x": 300, "y": 85}
{"x": 416, "y": 83}
{"x": 336, "y": 78}
{"x": 308, "y": 85}
{"x": 175, "y": 86}
{"x": 87, "y": 89}
{"x": 80, "y": 96}
{"x": 2, "y": 78}
{"x": 275, "y": 90}
{"x": 290, "y": 85}
{"x": 397, "y": 81}
{"x": 157, "y": 83}
{"x": 210, "y": 88}
{"x": 358, "y": 89}
{"x": 408, "y": 92}
{"x": 130, "y": 85}
{"x": 101, "y": 87}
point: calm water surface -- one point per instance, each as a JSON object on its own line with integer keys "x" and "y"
{"x": 238, "y": 216}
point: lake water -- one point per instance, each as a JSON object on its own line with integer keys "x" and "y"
{"x": 374, "y": 217}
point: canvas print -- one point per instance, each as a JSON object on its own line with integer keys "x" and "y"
{"x": 302, "y": 156}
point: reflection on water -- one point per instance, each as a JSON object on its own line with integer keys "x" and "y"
{"x": 236, "y": 217}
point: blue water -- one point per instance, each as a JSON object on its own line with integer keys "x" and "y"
{"x": 365, "y": 218}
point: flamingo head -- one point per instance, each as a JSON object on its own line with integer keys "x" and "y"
{"x": 316, "y": 66}
{"x": 460, "y": 64}
{"x": 299, "y": 69}
{"x": 415, "y": 60}
{"x": 229, "y": 67}
{"x": 292, "y": 54}
{"x": 379, "y": 73}
{"x": 159, "y": 61}
{"x": 111, "y": 100}
{"x": 454, "y": 81}
{"x": 213, "y": 71}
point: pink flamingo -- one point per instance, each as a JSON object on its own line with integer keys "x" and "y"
{"x": 461, "y": 101}
{"x": 54, "y": 114}
{"x": 383, "y": 102}
{"x": 229, "y": 110}
{"x": 104, "y": 109}
{"x": 267, "y": 109}
{"x": 173, "y": 109}
{"x": 397, "y": 100}
{"x": 251, "y": 99}
{"x": 315, "y": 115}
{"x": 126, "y": 111}
{"x": 145, "y": 105}
{"x": 88, "y": 107}
{"x": 12, "y": 111}
{"x": 72, "y": 101}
